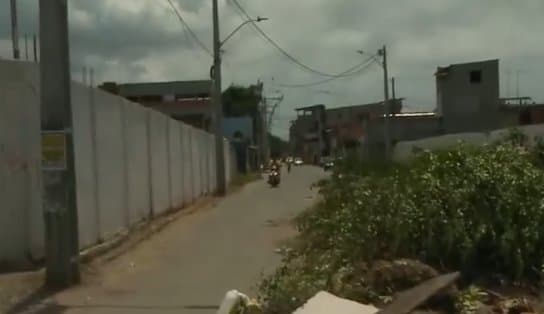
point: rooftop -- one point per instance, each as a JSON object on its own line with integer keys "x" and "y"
{"x": 371, "y": 106}
{"x": 200, "y": 88}
{"x": 442, "y": 69}
{"x": 310, "y": 107}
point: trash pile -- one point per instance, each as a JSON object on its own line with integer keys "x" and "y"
{"x": 420, "y": 289}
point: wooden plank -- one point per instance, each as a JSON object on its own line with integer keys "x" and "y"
{"x": 410, "y": 299}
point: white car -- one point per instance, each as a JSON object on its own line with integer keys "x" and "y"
{"x": 298, "y": 161}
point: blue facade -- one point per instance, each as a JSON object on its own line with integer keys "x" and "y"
{"x": 243, "y": 125}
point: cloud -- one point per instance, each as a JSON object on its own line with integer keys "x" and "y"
{"x": 140, "y": 40}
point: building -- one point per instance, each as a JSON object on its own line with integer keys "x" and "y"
{"x": 308, "y": 135}
{"x": 520, "y": 111}
{"x": 468, "y": 96}
{"x": 187, "y": 101}
{"x": 467, "y": 101}
{"x": 348, "y": 125}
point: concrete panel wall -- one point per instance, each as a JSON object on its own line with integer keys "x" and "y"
{"x": 19, "y": 165}
{"x": 159, "y": 162}
{"x": 130, "y": 162}
{"x": 84, "y": 123}
{"x": 137, "y": 162}
{"x": 176, "y": 164}
{"x": 187, "y": 165}
{"x": 405, "y": 151}
{"x": 110, "y": 162}
{"x": 197, "y": 176}
{"x": 204, "y": 162}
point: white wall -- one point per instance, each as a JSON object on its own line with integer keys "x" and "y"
{"x": 405, "y": 151}
{"x": 130, "y": 162}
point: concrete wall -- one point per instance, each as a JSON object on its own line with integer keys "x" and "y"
{"x": 404, "y": 151}
{"x": 131, "y": 163}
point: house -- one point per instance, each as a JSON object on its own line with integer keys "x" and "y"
{"x": 468, "y": 96}
{"x": 348, "y": 125}
{"x": 187, "y": 101}
{"x": 307, "y": 134}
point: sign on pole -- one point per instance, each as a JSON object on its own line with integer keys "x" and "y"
{"x": 54, "y": 154}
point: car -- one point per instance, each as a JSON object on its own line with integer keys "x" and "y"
{"x": 327, "y": 163}
{"x": 298, "y": 161}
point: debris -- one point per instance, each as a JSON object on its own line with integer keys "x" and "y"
{"x": 326, "y": 303}
{"x": 410, "y": 299}
{"x": 236, "y": 302}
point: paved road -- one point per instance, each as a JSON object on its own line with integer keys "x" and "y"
{"x": 188, "y": 266}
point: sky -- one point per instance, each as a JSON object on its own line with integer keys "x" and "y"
{"x": 142, "y": 40}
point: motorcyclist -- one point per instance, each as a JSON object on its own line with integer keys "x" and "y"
{"x": 289, "y": 165}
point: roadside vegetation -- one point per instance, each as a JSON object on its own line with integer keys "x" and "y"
{"x": 381, "y": 229}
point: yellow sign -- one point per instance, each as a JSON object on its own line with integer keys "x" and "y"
{"x": 54, "y": 150}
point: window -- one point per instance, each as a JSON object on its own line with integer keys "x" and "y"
{"x": 476, "y": 77}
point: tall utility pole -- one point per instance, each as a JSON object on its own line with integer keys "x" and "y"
{"x": 268, "y": 120}
{"x": 35, "y": 47}
{"x": 60, "y": 211}
{"x": 218, "y": 104}
{"x": 26, "y": 47}
{"x": 386, "y": 136}
{"x": 393, "y": 91}
{"x": 517, "y": 83}
{"x": 14, "y": 30}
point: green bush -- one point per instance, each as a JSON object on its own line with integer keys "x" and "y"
{"x": 478, "y": 210}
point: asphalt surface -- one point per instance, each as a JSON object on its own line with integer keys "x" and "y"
{"x": 188, "y": 266}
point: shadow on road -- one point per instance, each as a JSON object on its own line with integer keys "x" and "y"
{"x": 45, "y": 307}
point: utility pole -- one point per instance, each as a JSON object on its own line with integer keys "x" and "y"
{"x": 26, "y": 47}
{"x": 268, "y": 122}
{"x": 35, "y": 47}
{"x": 517, "y": 83}
{"x": 217, "y": 104}
{"x": 386, "y": 135}
{"x": 14, "y": 30}
{"x": 393, "y": 92}
{"x": 60, "y": 211}
{"x": 84, "y": 75}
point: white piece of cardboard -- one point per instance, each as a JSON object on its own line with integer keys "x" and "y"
{"x": 326, "y": 303}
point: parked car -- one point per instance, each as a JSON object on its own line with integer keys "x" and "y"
{"x": 298, "y": 161}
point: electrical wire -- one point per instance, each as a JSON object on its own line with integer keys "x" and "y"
{"x": 353, "y": 71}
{"x": 279, "y": 48}
{"x": 188, "y": 28}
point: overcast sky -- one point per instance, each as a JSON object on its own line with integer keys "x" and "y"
{"x": 142, "y": 40}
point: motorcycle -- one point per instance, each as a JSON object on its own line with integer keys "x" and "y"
{"x": 274, "y": 177}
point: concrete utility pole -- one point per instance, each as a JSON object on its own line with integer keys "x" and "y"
{"x": 268, "y": 122}
{"x": 14, "y": 30}
{"x": 26, "y": 47}
{"x": 386, "y": 136}
{"x": 218, "y": 104}
{"x": 35, "y": 47}
{"x": 60, "y": 211}
{"x": 517, "y": 83}
{"x": 393, "y": 91}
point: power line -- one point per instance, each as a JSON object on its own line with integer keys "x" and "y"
{"x": 358, "y": 69}
{"x": 278, "y": 47}
{"x": 188, "y": 28}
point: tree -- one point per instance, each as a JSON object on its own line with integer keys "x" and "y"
{"x": 241, "y": 101}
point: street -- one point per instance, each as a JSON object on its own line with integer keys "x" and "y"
{"x": 192, "y": 263}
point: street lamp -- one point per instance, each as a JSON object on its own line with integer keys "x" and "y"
{"x": 257, "y": 20}
{"x": 217, "y": 102}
